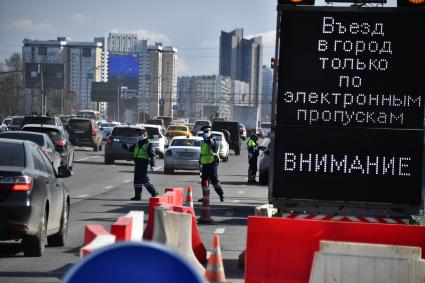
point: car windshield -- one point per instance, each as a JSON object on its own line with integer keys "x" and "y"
{"x": 152, "y": 132}
{"x": 12, "y": 154}
{"x": 38, "y": 120}
{"x": 16, "y": 121}
{"x": 38, "y": 139}
{"x": 79, "y": 124}
{"x": 125, "y": 132}
{"x": 186, "y": 142}
{"x": 7, "y": 121}
{"x": 52, "y": 133}
{"x": 177, "y": 128}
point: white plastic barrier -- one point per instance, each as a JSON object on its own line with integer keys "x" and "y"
{"x": 356, "y": 262}
{"x": 137, "y": 224}
{"x": 265, "y": 210}
{"x": 99, "y": 242}
{"x": 175, "y": 230}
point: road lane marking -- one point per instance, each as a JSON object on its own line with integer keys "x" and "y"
{"x": 108, "y": 187}
{"x": 87, "y": 158}
{"x": 236, "y": 201}
{"x": 244, "y": 186}
{"x": 82, "y": 196}
{"x": 126, "y": 181}
{"x": 241, "y": 192}
{"x": 158, "y": 168}
{"x": 219, "y": 230}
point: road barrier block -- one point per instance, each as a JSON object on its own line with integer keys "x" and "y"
{"x": 153, "y": 202}
{"x": 137, "y": 218}
{"x": 122, "y": 228}
{"x": 92, "y": 231}
{"x": 97, "y": 243}
{"x": 179, "y": 194}
{"x": 358, "y": 262}
{"x": 282, "y": 250}
{"x": 197, "y": 245}
{"x": 174, "y": 230}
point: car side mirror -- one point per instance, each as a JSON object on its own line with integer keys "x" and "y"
{"x": 166, "y": 146}
{"x": 64, "y": 173}
{"x": 101, "y": 128}
{"x": 155, "y": 136}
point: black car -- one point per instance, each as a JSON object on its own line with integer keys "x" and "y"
{"x": 85, "y": 132}
{"x": 42, "y": 140}
{"x": 60, "y": 139}
{"x": 233, "y": 129}
{"x": 16, "y": 123}
{"x": 43, "y": 120}
{"x": 34, "y": 203}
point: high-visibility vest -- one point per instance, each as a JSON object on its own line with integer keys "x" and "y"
{"x": 250, "y": 143}
{"x": 141, "y": 152}
{"x": 207, "y": 154}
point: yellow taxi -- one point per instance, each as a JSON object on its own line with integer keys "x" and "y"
{"x": 178, "y": 130}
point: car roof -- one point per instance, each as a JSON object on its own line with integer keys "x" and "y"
{"x": 128, "y": 126}
{"x": 151, "y": 125}
{"x": 212, "y": 132}
{"x": 42, "y": 126}
{"x": 22, "y": 133}
{"x": 185, "y": 138}
{"x": 80, "y": 118}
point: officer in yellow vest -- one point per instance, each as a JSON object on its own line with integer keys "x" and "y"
{"x": 210, "y": 160}
{"x": 143, "y": 155}
{"x": 253, "y": 152}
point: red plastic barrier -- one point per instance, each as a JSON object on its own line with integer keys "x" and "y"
{"x": 179, "y": 194}
{"x": 92, "y": 231}
{"x": 172, "y": 197}
{"x": 153, "y": 202}
{"x": 282, "y": 250}
{"x": 122, "y": 228}
{"x": 197, "y": 245}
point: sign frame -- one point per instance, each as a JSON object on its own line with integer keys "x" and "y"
{"x": 372, "y": 209}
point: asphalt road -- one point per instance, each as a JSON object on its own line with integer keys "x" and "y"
{"x": 100, "y": 193}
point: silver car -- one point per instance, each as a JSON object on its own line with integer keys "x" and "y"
{"x": 183, "y": 153}
{"x": 107, "y": 128}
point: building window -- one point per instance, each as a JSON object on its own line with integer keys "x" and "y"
{"x": 86, "y": 52}
{"x": 42, "y": 50}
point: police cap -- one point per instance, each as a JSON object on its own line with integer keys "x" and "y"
{"x": 206, "y": 128}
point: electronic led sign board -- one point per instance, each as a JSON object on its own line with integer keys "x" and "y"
{"x": 350, "y": 105}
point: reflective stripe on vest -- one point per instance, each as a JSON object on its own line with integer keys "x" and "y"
{"x": 141, "y": 152}
{"x": 207, "y": 154}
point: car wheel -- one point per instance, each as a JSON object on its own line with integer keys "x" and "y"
{"x": 58, "y": 240}
{"x": 109, "y": 160}
{"x": 95, "y": 148}
{"x": 100, "y": 147}
{"x": 263, "y": 178}
{"x": 161, "y": 155}
{"x": 168, "y": 170}
{"x": 237, "y": 151}
{"x": 35, "y": 245}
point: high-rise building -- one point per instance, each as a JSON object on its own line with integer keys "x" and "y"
{"x": 266, "y": 104}
{"x": 122, "y": 43}
{"x": 241, "y": 59}
{"x": 169, "y": 80}
{"x": 68, "y": 68}
{"x": 204, "y": 97}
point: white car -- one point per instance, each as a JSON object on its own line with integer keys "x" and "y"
{"x": 156, "y": 135}
{"x": 183, "y": 153}
{"x": 223, "y": 151}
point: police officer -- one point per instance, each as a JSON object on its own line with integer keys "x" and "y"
{"x": 210, "y": 160}
{"x": 143, "y": 155}
{"x": 253, "y": 152}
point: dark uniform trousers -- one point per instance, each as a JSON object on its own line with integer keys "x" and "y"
{"x": 209, "y": 172}
{"x": 141, "y": 178}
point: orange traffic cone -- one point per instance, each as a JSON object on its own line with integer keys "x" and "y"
{"x": 205, "y": 214}
{"x": 189, "y": 198}
{"x": 215, "y": 268}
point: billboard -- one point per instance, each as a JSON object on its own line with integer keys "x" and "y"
{"x": 123, "y": 66}
{"x": 53, "y": 75}
{"x": 349, "y": 106}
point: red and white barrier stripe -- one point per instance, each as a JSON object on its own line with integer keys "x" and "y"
{"x": 381, "y": 220}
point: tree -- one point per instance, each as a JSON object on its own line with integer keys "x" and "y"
{"x": 12, "y": 101}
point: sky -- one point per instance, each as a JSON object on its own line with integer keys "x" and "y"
{"x": 192, "y": 26}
